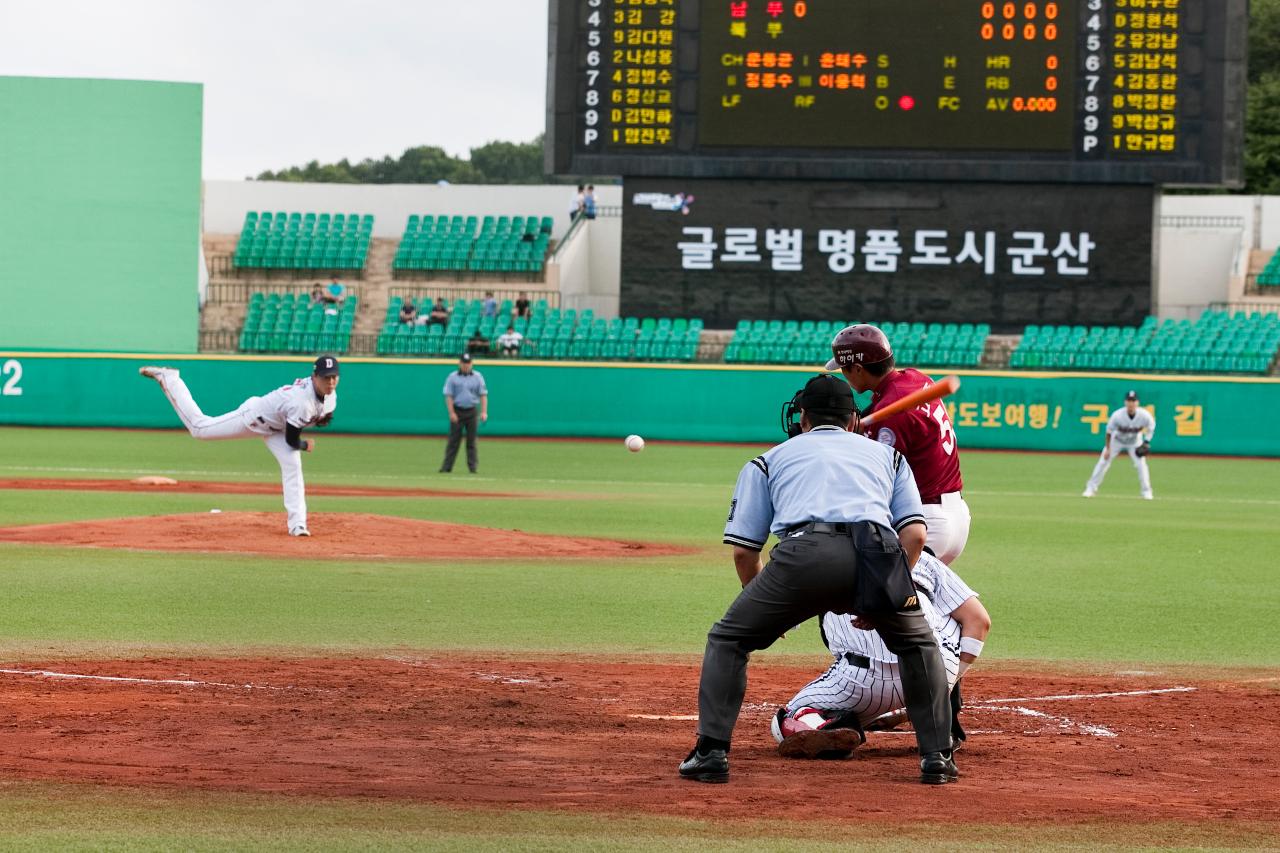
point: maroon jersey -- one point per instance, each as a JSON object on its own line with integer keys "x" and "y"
{"x": 923, "y": 435}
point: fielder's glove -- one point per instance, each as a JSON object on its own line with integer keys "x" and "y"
{"x": 1143, "y": 449}
{"x": 325, "y": 420}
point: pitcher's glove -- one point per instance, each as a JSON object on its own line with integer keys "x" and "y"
{"x": 325, "y": 420}
{"x": 1143, "y": 449}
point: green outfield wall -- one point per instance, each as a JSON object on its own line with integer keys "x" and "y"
{"x": 99, "y": 214}
{"x": 1032, "y": 411}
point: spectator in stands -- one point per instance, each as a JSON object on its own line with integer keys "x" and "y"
{"x": 478, "y": 344}
{"x": 589, "y": 202}
{"x": 490, "y": 305}
{"x": 522, "y": 306}
{"x": 337, "y": 293}
{"x": 575, "y": 204}
{"x": 408, "y": 312}
{"x": 317, "y": 295}
{"x": 439, "y": 314}
{"x": 509, "y": 342}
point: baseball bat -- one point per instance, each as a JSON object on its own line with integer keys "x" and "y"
{"x": 943, "y": 387}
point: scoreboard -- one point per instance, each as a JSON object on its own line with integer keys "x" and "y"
{"x": 1100, "y": 91}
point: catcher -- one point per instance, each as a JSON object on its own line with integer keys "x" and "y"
{"x": 277, "y": 417}
{"x": 862, "y": 690}
{"x": 1128, "y": 431}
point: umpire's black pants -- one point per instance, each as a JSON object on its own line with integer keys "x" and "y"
{"x": 808, "y": 575}
{"x": 467, "y": 420}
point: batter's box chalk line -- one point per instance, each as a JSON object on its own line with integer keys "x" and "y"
{"x": 1062, "y": 723}
{"x": 120, "y": 679}
{"x": 1066, "y": 723}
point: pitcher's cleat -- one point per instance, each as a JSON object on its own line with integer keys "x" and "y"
{"x": 155, "y": 372}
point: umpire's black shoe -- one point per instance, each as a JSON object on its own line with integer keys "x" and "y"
{"x": 712, "y": 766}
{"x": 938, "y": 768}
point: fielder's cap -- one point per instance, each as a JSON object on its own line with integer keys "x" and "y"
{"x": 827, "y": 393}
{"x": 326, "y": 365}
{"x": 861, "y": 344}
{"x": 465, "y": 358}
{"x": 1132, "y": 395}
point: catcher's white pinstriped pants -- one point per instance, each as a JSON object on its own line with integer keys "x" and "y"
{"x": 869, "y": 692}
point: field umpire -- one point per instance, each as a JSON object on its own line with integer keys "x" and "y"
{"x": 834, "y": 499}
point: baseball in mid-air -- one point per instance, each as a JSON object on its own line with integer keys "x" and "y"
{"x": 634, "y": 443}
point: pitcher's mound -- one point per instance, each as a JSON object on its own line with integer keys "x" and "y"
{"x": 337, "y": 536}
{"x": 154, "y": 480}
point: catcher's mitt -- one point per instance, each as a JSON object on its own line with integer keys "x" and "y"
{"x": 1143, "y": 449}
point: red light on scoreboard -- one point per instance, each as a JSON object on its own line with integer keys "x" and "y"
{"x": 906, "y": 102}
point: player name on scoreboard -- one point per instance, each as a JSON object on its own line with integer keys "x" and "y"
{"x": 1099, "y": 90}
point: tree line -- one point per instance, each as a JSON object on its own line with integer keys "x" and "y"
{"x": 521, "y": 162}
{"x": 493, "y": 163}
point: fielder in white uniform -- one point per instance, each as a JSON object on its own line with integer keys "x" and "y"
{"x": 862, "y": 685}
{"x": 1129, "y": 431}
{"x": 277, "y": 417}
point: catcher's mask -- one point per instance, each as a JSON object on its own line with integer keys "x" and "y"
{"x": 825, "y": 393}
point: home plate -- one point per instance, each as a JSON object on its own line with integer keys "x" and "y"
{"x": 687, "y": 717}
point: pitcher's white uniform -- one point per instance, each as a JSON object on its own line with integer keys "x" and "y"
{"x": 263, "y": 417}
{"x": 1127, "y": 432}
{"x": 871, "y": 691}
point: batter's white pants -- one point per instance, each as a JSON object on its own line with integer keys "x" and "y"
{"x": 869, "y": 692}
{"x": 1104, "y": 462}
{"x": 233, "y": 425}
{"x": 948, "y": 524}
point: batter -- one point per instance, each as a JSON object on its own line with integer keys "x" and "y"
{"x": 1129, "y": 431}
{"x": 923, "y": 435}
{"x": 277, "y": 417}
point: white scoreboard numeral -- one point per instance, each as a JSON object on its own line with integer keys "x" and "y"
{"x": 13, "y": 369}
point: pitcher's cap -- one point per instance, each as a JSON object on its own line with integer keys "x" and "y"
{"x": 326, "y": 365}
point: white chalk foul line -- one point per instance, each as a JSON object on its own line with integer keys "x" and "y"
{"x": 1063, "y": 722}
{"x": 1070, "y": 696}
{"x": 178, "y": 682}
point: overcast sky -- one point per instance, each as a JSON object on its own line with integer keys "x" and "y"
{"x": 287, "y": 81}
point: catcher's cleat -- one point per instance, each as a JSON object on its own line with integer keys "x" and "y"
{"x": 938, "y": 768}
{"x": 711, "y": 766}
{"x": 810, "y": 733}
{"x": 821, "y": 743}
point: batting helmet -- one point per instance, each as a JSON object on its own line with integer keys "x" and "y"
{"x": 861, "y": 344}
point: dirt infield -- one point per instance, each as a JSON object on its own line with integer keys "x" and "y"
{"x": 334, "y": 536}
{"x": 606, "y": 736}
{"x": 211, "y": 487}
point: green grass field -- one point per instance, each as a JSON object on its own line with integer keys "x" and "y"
{"x": 1185, "y": 580}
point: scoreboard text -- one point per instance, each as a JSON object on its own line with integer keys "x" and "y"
{"x": 1122, "y": 91}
